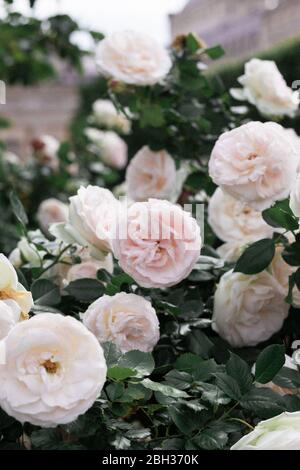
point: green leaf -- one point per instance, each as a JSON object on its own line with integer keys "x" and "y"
{"x": 239, "y": 370}
{"x": 86, "y": 290}
{"x": 45, "y": 292}
{"x": 120, "y": 373}
{"x": 215, "y": 52}
{"x": 111, "y": 353}
{"x": 213, "y": 394}
{"x": 287, "y": 378}
{"x": 198, "y": 343}
{"x": 184, "y": 417}
{"x": 191, "y": 43}
{"x": 142, "y": 363}
{"x": 228, "y": 385}
{"x": 177, "y": 379}
{"x": 269, "y": 363}
{"x": 187, "y": 362}
{"x": 152, "y": 115}
{"x": 114, "y": 391}
{"x": 173, "y": 444}
{"x": 256, "y": 257}
{"x": 263, "y": 402}
{"x": 18, "y": 208}
{"x": 211, "y": 439}
{"x": 291, "y": 254}
{"x": 280, "y": 215}
{"x": 164, "y": 389}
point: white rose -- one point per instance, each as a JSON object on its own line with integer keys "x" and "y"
{"x": 10, "y": 314}
{"x": 54, "y": 370}
{"x": 234, "y": 221}
{"x": 106, "y": 114}
{"x": 230, "y": 251}
{"x": 128, "y": 320}
{"x": 11, "y": 289}
{"x": 281, "y": 272}
{"x": 279, "y": 433}
{"x": 113, "y": 149}
{"x": 248, "y": 309}
{"x": 88, "y": 268}
{"x": 134, "y": 58}
{"x": 51, "y": 211}
{"x": 46, "y": 148}
{"x": 255, "y": 163}
{"x": 11, "y": 158}
{"x": 151, "y": 174}
{"x": 265, "y": 87}
{"x": 295, "y": 141}
{"x": 92, "y": 214}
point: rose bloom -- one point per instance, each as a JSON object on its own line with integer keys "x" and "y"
{"x": 133, "y": 58}
{"x": 151, "y": 174}
{"x": 113, "y": 149}
{"x": 46, "y": 149}
{"x": 234, "y": 221}
{"x": 281, "y": 272}
{"x": 92, "y": 214}
{"x": 54, "y": 370}
{"x": 248, "y": 309}
{"x": 11, "y": 289}
{"x": 89, "y": 267}
{"x": 105, "y": 114}
{"x": 289, "y": 364}
{"x": 295, "y": 141}
{"x": 128, "y": 320}
{"x": 279, "y": 433}
{"x": 255, "y": 163}
{"x": 231, "y": 251}
{"x": 265, "y": 87}
{"x": 51, "y": 211}
{"x": 158, "y": 243}
{"x": 10, "y": 315}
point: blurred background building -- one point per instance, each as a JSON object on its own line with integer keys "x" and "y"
{"x": 243, "y": 27}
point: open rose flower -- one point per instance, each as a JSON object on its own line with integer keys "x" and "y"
{"x": 279, "y": 433}
{"x": 128, "y": 320}
{"x": 10, "y": 315}
{"x": 133, "y": 58}
{"x": 255, "y": 163}
{"x": 105, "y": 114}
{"x": 54, "y": 370}
{"x": 248, "y": 309}
{"x": 51, "y": 211}
{"x": 157, "y": 243}
{"x": 46, "y": 150}
{"x": 234, "y": 221}
{"x": 11, "y": 289}
{"x": 265, "y": 87}
{"x": 113, "y": 149}
{"x": 93, "y": 214}
{"x": 151, "y": 174}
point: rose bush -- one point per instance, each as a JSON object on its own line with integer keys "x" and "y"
{"x": 182, "y": 317}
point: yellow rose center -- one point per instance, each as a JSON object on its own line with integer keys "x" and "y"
{"x": 51, "y": 367}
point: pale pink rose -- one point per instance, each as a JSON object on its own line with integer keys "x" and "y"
{"x": 92, "y": 214}
{"x": 46, "y": 149}
{"x": 234, "y": 221}
{"x": 295, "y": 141}
{"x": 295, "y": 197}
{"x": 255, "y": 163}
{"x": 265, "y": 87}
{"x": 248, "y": 309}
{"x": 51, "y": 211}
{"x": 128, "y": 320}
{"x": 151, "y": 174}
{"x": 158, "y": 243}
{"x": 106, "y": 114}
{"x": 89, "y": 267}
{"x": 231, "y": 251}
{"x": 133, "y": 57}
{"x": 54, "y": 370}
{"x": 112, "y": 148}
